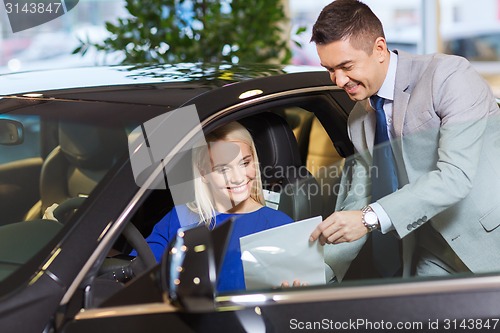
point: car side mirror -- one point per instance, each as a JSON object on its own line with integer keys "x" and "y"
{"x": 11, "y": 132}
{"x": 190, "y": 264}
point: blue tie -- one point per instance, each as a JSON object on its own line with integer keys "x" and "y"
{"x": 386, "y": 249}
{"x": 385, "y": 179}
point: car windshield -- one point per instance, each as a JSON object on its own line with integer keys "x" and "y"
{"x": 50, "y": 161}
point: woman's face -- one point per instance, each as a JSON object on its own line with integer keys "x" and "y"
{"x": 231, "y": 176}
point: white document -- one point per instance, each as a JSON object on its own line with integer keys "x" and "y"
{"x": 283, "y": 254}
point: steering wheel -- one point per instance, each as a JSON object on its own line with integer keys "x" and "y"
{"x": 66, "y": 208}
{"x": 145, "y": 257}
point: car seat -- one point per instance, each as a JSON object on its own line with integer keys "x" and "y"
{"x": 326, "y": 164}
{"x": 283, "y": 174}
{"x": 74, "y": 167}
{"x": 318, "y": 154}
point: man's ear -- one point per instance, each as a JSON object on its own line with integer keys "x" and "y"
{"x": 380, "y": 48}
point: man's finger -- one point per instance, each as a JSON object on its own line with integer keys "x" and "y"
{"x": 318, "y": 231}
{"x": 335, "y": 238}
{"x": 315, "y": 234}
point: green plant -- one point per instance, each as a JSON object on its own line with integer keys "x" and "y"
{"x": 169, "y": 31}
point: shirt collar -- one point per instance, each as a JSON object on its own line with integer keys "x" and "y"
{"x": 386, "y": 91}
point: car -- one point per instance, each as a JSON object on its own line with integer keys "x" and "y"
{"x": 476, "y": 42}
{"x": 108, "y": 144}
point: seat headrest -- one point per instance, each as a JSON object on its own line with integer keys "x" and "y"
{"x": 276, "y": 145}
{"x": 91, "y": 147}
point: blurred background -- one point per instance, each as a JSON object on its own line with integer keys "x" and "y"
{"x": 463, "y": 27}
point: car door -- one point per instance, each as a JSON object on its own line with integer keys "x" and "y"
{"x": 360, "y": 304}
{"x": 325, "y": 107}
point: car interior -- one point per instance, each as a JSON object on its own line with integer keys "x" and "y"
{"x": 283, "y": 172}
{"x": 83, "y": 156}
{"x": 296, "y": 155}
{"x": 281, "y": 165}
{"x": 299, "y": 164}
{"x": 295, "y": 151}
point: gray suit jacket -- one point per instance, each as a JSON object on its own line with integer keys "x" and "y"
{"x": 447, "y": 147}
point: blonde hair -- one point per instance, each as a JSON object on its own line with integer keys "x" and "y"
{"x": 204, "y": 204}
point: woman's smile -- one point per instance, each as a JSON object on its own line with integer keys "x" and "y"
{"x": 238, "y": 189}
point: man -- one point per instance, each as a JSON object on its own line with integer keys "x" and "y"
{"x": 441, "y": 120}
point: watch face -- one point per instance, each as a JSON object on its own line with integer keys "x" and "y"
{"x": 371, "y": 218}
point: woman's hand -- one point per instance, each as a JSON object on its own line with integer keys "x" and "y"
{"x": 296, "y": 283}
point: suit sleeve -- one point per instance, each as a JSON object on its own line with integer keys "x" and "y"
{"x": 462, "y": 101}
{"x": 353, "y": 194}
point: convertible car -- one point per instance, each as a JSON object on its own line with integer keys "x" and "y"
{"x": 108, "y": 145}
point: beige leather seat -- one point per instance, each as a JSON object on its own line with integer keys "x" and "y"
{"x": 84, "y": 155}
{"x": 325, "y": 163}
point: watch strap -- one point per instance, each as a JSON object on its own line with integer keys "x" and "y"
{"x": 370, "y": 227}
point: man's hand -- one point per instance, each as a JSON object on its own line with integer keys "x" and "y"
{"x": 340, "y": 227}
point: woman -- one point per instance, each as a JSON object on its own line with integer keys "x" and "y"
{"x": 227, "y": 183}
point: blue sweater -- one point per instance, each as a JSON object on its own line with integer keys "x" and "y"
{"x": 231, "y": 273}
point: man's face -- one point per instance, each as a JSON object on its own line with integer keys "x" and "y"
{"x": 360, "y": 74}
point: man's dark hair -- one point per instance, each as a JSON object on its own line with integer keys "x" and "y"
{"x": 348, "y": 19}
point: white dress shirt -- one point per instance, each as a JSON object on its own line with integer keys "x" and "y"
{"x": 386, "y": 91}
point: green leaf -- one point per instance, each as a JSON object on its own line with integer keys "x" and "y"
{"x": 253, "y": 28}
{"x": 300, "y": 30}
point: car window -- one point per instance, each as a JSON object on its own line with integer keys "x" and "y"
{"x": 316, "y": 176}
{"x": 46, "y": 161}
{"x": 30, "y": 147}
{"x": 300, "y": 179}
{"x": 20, "y": 165}
{"x": 478, "y": 48}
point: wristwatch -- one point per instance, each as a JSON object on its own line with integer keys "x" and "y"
{"x": 369, "y": 219}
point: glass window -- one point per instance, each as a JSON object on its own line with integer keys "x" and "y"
{"x": 30, "y": 145}
{"x": 47, "y": 160}
{"x": 300, "y": 170}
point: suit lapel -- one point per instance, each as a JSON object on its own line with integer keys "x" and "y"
{"x": 400, "y": 106}
{"x": 369, "y": 123}
{"x": 401, "y": 91}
